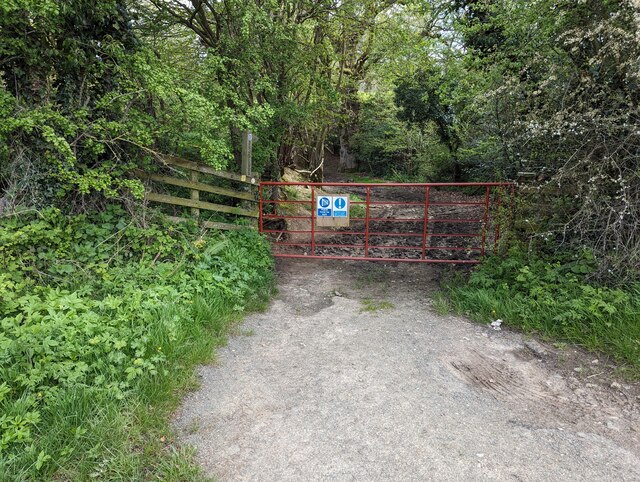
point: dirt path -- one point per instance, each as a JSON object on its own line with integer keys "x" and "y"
{"x": 351, "y": 375}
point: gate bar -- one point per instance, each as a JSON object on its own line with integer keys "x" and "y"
{"x": 313, "y": 221}
{"x": 387, "y": 184}
{"x": 486, "y": 219}
{"x": 366, "y": 222}
{"x": 426, "y": 221}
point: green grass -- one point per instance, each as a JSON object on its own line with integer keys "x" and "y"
{"x": 441, "y": 303}
{"x": 357, "y": 210}
{"x": 102, "y": 325}
{"x": 369, "y": 305}
{"x": 370, "y": 276}
{"x": 554, "y": 299}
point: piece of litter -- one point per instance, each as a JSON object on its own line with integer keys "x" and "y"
{"x": 496, "y": 325}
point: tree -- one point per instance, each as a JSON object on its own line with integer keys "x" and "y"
{"x": 422, "y": 100}
{"x": 63, "y": 99}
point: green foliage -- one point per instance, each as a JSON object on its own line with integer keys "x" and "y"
{"x": 561, "y": 85}
{"x": 386, "y": 146}
{"x": 554, "y": 298}
{"x": 100, "y": 317}
{"x": 66, "y": 123}
{"x": 84, "y": 100}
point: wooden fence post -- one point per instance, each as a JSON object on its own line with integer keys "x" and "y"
{"x": 247, "y": 147}
{"x": 195, "y": 194}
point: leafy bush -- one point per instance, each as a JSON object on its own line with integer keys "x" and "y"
{"x": 555, "y": 299}
{"x": 385, "y": 145}
{"x": 98, "y": 317}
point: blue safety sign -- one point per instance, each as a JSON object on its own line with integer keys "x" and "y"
{"x": 324, "y": 207}
{"x": 340, "y": 206}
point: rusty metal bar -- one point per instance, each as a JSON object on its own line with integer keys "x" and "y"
{"x": 425, "y": 222}
{"x": 486, "y": 219}
{"x": 366, "y": 222}
{"x": 313, "y": 220}
{"x": 496, "y": 234}
{"x": 373, "y": 258}
{"x": 261, "y": 215}
{"x": 387, "y": 184}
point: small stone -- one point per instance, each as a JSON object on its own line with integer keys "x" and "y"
{"x": 480, "y": 455}
{"x": 616, "y": 385}
{"x": 595, "y": 362}
{"x": 337, "y": 293}
{"x": 577, "y": 369}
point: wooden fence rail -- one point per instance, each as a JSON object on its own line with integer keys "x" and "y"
{"x": 196, "y": 187}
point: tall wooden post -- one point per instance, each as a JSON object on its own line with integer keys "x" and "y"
{"x": 247, "y": 147}
{"x": 245, "y": 168}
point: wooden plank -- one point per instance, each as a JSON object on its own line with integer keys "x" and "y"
{"x": 211, "y": 224}
{"x": 174, "y": 181}
{"x": 194, "y": 166}
{"x": 219, "y": 225}
{"x": 178, "y": 201}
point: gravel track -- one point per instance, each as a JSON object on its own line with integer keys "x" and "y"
{"x": 351, "y": 375}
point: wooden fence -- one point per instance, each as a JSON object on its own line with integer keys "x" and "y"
{"x": 196, "y": 187}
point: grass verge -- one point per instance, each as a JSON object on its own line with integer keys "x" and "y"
{"x": 555, "y": 300}
{"x": 102, "y": 325}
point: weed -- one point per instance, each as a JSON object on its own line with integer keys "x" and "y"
{"x": 441, "y": 304}
{"x": 375, "y": 305}
{"x": 193, "y": 427}
{"x": 357, "y": 210}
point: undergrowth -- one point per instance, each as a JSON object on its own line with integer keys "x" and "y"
{"x": 555, "y": 299}
{"x": 102, "y": 324}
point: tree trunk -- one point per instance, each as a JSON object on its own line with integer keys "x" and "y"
{"x": 351, "y": 109}
{"x": 316, "y": 156}
{"x": 347, "y": 159}
{"x": 457, "y": 171}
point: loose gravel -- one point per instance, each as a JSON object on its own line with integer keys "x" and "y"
{"x": 351, "y": 375}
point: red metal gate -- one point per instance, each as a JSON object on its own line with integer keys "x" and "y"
{"x": 412, "y": 222}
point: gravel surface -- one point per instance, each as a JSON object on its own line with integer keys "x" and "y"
{"x": 351, "y": 375}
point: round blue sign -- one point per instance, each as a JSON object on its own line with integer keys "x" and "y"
{"x": 340, "y": 203}
{"x": 324, "y": 202}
